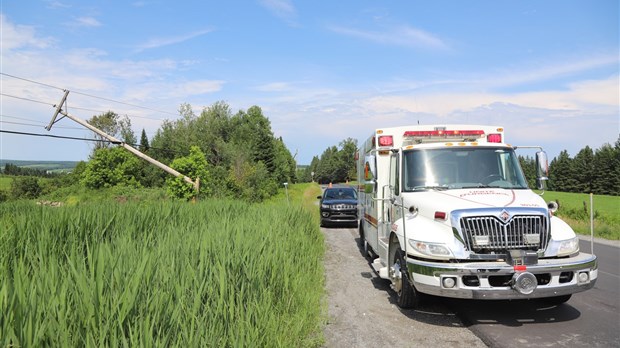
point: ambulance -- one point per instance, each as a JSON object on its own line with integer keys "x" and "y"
{"x": 446, "y": 210}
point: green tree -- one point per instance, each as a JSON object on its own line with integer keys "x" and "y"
{"x": 348, "y": 147}
{"x": 193, "y": 166}
{"x": 26, "y": 187}
{"x": 583, "y": 170}
{"x": 144, "y": 142}
{"x": 111, "y": 167}
{"x": 606, "y": 171}
{"x": 561, "y": 173}
{"x": 329, "y": 166}
{"x": 112, "y": 124}
{"x": 528, "y": 165}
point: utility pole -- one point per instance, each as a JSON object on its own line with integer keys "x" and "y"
{"x": 59, "y": 110}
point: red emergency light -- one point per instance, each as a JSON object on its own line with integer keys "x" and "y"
{"x": 494, "y": 138}
{"x": 386, "y": 140}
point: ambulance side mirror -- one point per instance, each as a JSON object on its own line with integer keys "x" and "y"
{"x": 542, "y": 170}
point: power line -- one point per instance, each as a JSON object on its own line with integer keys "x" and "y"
{"x": 24, "y": 79}
{"x": 124, "y": 103}
{"x": 57, "y": 136}
{"x": 85, "y": 139}
{"x": 31, "y": 120}
{"x": 91, "y": 96}
{"x": 27, "y": 99}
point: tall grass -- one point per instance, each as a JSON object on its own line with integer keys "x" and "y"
{"x": 160, "y": 274}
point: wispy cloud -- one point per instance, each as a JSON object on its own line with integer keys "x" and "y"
{"x": 282, "y": 9}
{"x": 403, "y": 35}
{"x": 166, "y": 41}
{"x": 21, "y": 36}
{"x": 53, "y": 4}
{"x": 274, "y": 87}
{"x": 550, "y": 71}
{"x": 84, "y": 22}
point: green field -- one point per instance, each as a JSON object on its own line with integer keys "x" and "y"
{"x": 5, "y": 182}
{"x": 161, "y": 274}
{"x": 575, "y": 210}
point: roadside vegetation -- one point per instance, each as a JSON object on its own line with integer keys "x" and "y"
{"x": 161, "y": 273}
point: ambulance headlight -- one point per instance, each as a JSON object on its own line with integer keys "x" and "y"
{"x": 432, "y": 249}
{"x": 569, "y": 246}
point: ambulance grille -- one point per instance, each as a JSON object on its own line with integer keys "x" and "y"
{"x": 485, "y": 234}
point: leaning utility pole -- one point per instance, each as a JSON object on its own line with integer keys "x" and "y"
{"x": 59, "y": 110}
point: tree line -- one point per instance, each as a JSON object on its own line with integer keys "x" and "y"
{"x": 14, "y": 170}
{"x": 336, "y": 164}
{"x": 237, "y": 155}
{"x": 234, "y": 154}
{"x": 590, "y": 171}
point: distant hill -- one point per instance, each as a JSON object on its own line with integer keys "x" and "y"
{"x": 54, "y": 166}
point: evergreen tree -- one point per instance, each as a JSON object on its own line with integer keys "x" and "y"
{"x": 583, "y": 170}
{"x": 606, "y": 171}
{"x": 561, "y": 173}
{"x": 144, "y": 142}
{"x": 528, "y": 165}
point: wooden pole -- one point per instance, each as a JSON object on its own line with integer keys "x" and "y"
{"x": 195, "y": 184}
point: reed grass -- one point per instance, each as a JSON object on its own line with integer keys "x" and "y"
{"x": 160, "y": 274}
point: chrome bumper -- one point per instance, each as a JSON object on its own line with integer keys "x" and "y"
{"x": 479, "y": 280}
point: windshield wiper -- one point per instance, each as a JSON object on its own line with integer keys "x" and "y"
{"x": 483, "y": 186}
{"x": 439, "y": 188}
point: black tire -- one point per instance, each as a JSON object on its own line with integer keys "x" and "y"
{"x": 408, "y": 296}
{"x": 557, "y": 300}
{"x": 360, "y": 229}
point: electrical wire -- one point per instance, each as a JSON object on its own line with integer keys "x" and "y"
{"x": 31, "y": 120}
{"x": 90, "y": 96}
{"x": 86, "y": 139}
{"x": 27, "y": 80}
{"x": 57, "y": 136}
{"x": 27, "y": 99}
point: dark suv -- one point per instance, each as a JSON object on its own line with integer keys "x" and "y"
{"x": 339, "y": 206}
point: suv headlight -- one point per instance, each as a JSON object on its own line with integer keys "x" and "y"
{"x": 432, "y": 249}
{"x": 325, "y": 206}
{"x": 569, "y": 246}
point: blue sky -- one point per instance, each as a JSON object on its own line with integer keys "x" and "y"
{"x": 322, "y": 71}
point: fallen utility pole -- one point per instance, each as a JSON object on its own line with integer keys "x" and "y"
{"x": 59, "y": 110}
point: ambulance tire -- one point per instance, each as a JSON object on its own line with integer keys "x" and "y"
{"x": 408, "y": 297}
{"x": 360, "y": 229}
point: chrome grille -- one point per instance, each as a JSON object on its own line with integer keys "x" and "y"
{"x": 343, "y": 206}
{"x": 489, "y": 233}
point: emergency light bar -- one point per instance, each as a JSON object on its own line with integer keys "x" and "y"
{"x": 435, "y": 135}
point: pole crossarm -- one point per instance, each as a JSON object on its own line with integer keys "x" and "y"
{"x": 59, "y": 110}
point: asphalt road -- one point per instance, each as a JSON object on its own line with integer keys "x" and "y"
{"x": 589, "y": 319}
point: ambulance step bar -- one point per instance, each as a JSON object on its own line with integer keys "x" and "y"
{"x": 380, "y": 269}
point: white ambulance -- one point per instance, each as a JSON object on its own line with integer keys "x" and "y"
{"x": 446, "y": 210}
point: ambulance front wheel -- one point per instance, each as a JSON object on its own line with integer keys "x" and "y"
{"x": 407, "y": 295}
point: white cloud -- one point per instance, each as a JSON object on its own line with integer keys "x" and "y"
{"x": 274, "y": 87}
{"x": 166, "y": 41}
{"x": 86, "y": 22}
{"x": 282, "y": 9}
{"x": 403, "y": 35}
{"x": 21, "y": 36}
{"x": 549, "y": 71}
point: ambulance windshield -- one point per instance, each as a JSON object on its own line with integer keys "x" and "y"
{"x": 459, "y": 168}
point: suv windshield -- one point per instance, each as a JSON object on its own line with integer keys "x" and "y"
{"x": 340, "y": 193}
{"x": 457, "y": 168}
